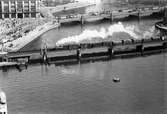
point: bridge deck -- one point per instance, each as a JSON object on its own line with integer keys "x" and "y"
{"x": 117, "y": 13}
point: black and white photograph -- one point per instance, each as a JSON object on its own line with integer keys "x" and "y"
{"x": 83, "y": 56}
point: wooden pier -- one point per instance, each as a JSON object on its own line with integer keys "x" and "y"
{"x": 78, "y": 53}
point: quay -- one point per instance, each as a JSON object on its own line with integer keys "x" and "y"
{"x": 111, "y": 14}
{"x": 16, "y": 42}
{"x": 78, "y": 53}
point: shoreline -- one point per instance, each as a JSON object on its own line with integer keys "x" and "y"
{"x": 31, "y": 36}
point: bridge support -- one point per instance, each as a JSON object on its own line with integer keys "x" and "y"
{"x": 110, "y": 52}
{"x": 139, "y": 16}
{"x": 79, "y": 55}
{"x": 165, "y": 44}
{"x": 82, "y": 20}
{"x": 111, "y": 17}
{"x": 140, "y": 48}
{"x": 44, "y": 54}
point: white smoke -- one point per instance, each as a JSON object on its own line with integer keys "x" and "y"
{"x": 149, "y": 33}
{"x": 121, "y": 28}
{"x": 104, "y": 33}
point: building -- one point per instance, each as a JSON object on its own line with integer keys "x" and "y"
{"x": 149, "y": 2}
{"x": 56, "y": 2}
{"x": 19, "y": 8}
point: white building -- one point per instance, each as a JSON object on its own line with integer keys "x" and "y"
{"x": 18, "y": 8}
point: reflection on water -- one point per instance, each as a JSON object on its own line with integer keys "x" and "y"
{"x": 88, "y": 88}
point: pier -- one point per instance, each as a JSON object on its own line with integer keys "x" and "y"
{"x": 78, "y": 53}
{"x": 111, "y": 15}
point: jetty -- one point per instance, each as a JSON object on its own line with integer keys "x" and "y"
{"x": 85, "y": 52}
{"x": 109, "y": 14}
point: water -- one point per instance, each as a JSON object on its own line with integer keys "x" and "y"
{"x": 88, "y": 88}
{"x": 97, "y": 31}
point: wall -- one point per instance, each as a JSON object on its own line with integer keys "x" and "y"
{"x": 18, "y": 8}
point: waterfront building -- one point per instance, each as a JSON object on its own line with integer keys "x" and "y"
{"x": 56, "y": 2}
{"x": 19, "y": 8}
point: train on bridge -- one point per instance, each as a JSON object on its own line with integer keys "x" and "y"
{"x": 74, "y": 53}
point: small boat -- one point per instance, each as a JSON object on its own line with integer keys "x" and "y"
{"x": 116, "y": 79}
{"x": 93, "y": 18}
{"x": 3, "y": 103}
{"x": 160, "y": 26}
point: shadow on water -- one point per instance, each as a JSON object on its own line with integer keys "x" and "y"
{"x": 71, "y": 62}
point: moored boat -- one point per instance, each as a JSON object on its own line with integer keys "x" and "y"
{"x": 3, "y": 103}
{"x": 94, "y": 18}
{"x": 161, "y": 26}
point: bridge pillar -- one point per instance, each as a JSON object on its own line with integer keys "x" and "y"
{"x": 165, "y": 44}
{"x": 82, "y": 20}
{"x": 140, "y": 48}
{"x": 79, "y": 54}
{"x": 58, "y": 19}
{"x": 111, "y": 17}
{"x": 44, "y": 54}
{"x": 138, "y": 14}
{"x": 110, "y": 52}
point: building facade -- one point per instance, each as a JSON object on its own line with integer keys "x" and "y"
{"x": 56, "y": 2}
{"x": 19, "y": 8}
